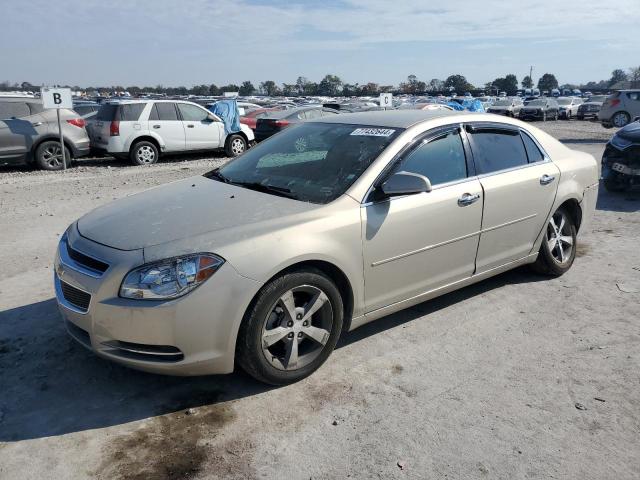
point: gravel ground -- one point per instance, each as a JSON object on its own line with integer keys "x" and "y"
{"x": 518, "y": 377}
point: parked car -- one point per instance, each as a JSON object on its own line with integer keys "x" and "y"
{"x": 277, "y": 121}
{"x": 506, "y": 106}
{"x": 568, "y": 107}
{"x": 267, "y": 260}
{"x": 142, "y": 130}
{"x": 591, "y": 107}
{"x": 251, "y": 119}
{"x": 29, "y": 134}
{"x": 543, "y": 108}
{"x": 621, "y": 159}
{"x": 620, "y": 108}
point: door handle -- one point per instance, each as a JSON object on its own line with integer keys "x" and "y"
{"x": 37, "y": 124}
{"x": 468, "y": 199}
{"x": 546, "y": 179}
{"x": 189, "y": 126}
{"x": 156, "y": 126}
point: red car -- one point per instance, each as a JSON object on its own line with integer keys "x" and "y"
{"x": 251, "y": 118}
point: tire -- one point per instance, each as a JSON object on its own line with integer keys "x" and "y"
{"x": 48, "y": 156}
{"x": 568, "y": 115}
{"x": 143, "y": 153}
{"x": 580, "y": 117}
{"x": 236, "y": 145}
{"x": 620, "y": 119}
{"x": 275, "y": 363}
{"x": 550, "y": 254}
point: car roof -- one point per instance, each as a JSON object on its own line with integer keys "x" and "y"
{"x": 20, "y": 99}
{"x": 388, "y": 118}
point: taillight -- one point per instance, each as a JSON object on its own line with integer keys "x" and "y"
{"x": 77, "y": 122}
{"x": 114, "y": 128}
{"x": 614, "y": 102}
{"x": 282, "y": 123}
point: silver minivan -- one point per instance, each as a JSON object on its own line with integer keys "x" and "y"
{"x": 29, "y": 134}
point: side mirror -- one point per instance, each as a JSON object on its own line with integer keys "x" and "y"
{"x": 405, "y": 183}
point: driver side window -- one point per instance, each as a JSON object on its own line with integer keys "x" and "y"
{"x": 441, "y": 159}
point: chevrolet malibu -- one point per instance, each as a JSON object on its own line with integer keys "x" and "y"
{"x": 328, "y": 225}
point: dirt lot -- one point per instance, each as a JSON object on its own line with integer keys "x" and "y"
{"x": 517, "y": 377}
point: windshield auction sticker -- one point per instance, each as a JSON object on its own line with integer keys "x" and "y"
{"x": 373, "y": 132}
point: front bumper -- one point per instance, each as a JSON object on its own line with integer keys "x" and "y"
{"x": 530, "y": 115}
{"x": 191, "y": 335}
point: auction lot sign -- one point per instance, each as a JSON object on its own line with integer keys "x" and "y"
{"x": 57, "y": 98}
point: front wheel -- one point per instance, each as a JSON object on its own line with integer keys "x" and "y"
{"x": 558, "y": 249}
{"x": 291, "y": 327}
{"x": 236, "y": 145}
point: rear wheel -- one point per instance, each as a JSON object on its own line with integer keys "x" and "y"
{"x": 620, "y": 119}
{"x": 291, "y": 328}
{"x": 49, "y": 156}
{"x": 558, "y": 249}
{"x": 143, "y": 153}
{"x": 236, "y": 145}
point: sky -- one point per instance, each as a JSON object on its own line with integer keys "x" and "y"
{"x": 172, "y": 42}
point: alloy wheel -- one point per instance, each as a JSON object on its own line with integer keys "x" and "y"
{"x": 620, "y": 119}
{"x": 297, "y": 327}
{"x": 237, "y": 146}
{"x": 559, "y": 237}
{"x": 145, "y": 154}
{"x": 52, "y": 156}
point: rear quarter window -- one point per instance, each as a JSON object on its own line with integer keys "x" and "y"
{"x": 533, "y": 152}
{"x": 130, "y": 112}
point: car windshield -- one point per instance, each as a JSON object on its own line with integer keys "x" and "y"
{"x": 537, "y": 103}
{"x": 564, "y": 101}
{"x": 502, "y": 103}
{"x": 311, "y": 162}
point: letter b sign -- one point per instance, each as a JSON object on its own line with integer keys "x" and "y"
{"x": 56, "y": 97}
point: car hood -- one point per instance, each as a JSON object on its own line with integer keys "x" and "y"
{"x": 630, "y": 132}
{"x": 185, "y": 208}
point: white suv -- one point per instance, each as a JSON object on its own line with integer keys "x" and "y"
{"x": 142, "y": 130}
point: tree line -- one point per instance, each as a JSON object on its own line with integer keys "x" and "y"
{"x": 332, "y": 86}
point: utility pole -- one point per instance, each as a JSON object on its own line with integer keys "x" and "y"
{"x": 531, "y": 74}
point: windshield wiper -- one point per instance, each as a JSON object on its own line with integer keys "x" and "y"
{"x": 215, "y": 174}
{"x": 273, "y": 189}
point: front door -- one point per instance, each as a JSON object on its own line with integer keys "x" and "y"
{"x": 201, "y": 133}
{"x": 416, "y": 243}
{"x": 519, "y": 185}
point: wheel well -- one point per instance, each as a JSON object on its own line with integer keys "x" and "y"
{"x": 145, "y": 139}
{"x": 573, "y": 207}
{"x": 241, "y": 133}
{"x": 336, "y": 275}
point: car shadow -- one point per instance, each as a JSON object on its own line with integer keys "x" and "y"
{"x": 52, "y": 386}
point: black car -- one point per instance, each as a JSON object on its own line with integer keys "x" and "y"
{"x": 276, "y": 121}
{"x": 621, "y": 159}
{"x": 540, "y": 109}
{"x": 591, "y": 107}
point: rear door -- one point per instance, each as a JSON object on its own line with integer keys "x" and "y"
{"x": 19, "y": 128}
{"x": 519, "y": 184}
{"x": 165, "y": 121}
{"x": 201, "y": 133}
{"x": 632, "y": 103}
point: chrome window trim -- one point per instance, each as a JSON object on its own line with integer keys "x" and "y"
{"x": 70, "y": 263}
{"x": 421, "y": 138}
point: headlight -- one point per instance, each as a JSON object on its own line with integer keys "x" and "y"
{"x": 169, "y": 278}
{"x": 620, "y": 142}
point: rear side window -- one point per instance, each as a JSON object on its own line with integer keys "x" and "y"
{"x": 191, "y": 113}
{"x": 496, "y": 149}
{"x": 315, "y": 113}
{"x": 533, "y": 152}
{"x": 165, "y": 111}
{"x": 14, "y": 110}
{"x": 634, "y": 96}
{"x": 440, "y": 159}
